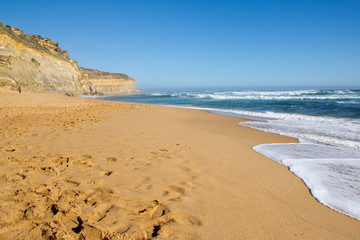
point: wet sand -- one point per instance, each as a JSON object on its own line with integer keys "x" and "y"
{"x": 76, "y": 168}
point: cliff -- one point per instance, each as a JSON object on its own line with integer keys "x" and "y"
{"x": 110, "y": 83}
{"x": 39, "y": 64}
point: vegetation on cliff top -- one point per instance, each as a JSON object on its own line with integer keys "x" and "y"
{"x": 35, "y": 42}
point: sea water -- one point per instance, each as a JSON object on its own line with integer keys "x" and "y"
{"x": 326, "y": 122}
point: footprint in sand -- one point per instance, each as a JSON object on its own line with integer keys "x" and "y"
{"x": 194, "y": 220}
{"x": 108, "y": 173}
{"x": 153, "y": 210}
{"x": 185, "y": 169}
{"x": 177, "y": 189}
{"x": 15, "y": 178}
{"x": 70, "y": 181}
{"x": 10, "y": 149}
{"x": 111, "y": 159}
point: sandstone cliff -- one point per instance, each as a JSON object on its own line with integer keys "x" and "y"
{"x": 39, "y": 64}
{"x": 110, "y": 83}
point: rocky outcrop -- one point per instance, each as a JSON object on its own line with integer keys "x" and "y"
{"x": 39, "y": 64}
{"x": 110, "y": 83}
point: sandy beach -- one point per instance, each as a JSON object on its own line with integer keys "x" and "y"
{"x": 75, "y": 168}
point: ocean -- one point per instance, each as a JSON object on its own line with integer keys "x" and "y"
{"x": 326, "y": 122}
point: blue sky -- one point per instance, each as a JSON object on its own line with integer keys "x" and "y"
{"x": 174, "y": 43}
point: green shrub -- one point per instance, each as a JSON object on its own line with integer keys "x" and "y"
{"x": 34, "y": 61}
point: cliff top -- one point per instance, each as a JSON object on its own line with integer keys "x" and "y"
{"x": 35, "y": 41}
{"x": 96, "y": 74}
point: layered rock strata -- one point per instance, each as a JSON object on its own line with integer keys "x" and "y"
{"x": 39, "y": 64}
{"x": 110, "y": 83}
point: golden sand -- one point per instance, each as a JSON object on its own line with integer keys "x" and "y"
{"x": 75, "y": 168}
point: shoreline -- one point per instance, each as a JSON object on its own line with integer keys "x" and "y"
{"x": 155, "y": 171}
{"x": 322, "y": 191}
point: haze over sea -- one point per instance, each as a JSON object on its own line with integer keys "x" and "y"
{"x": 326, "y": 122}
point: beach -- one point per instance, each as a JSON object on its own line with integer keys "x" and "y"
{"x": 74, "y": 168}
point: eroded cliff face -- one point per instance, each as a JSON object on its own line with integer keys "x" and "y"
{"x": 35, "y": 63}
{"x": 110, "y": 83}
{"x": 38, "y": 64}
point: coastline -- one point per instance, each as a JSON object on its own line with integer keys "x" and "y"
{"x": 135, "y": 170}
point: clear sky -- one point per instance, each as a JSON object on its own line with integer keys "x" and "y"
{"x": 179, "y": 43}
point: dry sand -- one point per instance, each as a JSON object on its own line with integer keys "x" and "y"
{"x": 84, "y": 169}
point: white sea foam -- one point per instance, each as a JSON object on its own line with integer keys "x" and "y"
{"x": 281, "y": 151}
{"x": 158, "y": 94}
{"x": 354, "y": 102}
{"x": 331, "y": 173}
{"x": 333, "y": 182}
{"x": 273, "y": 95}
{"x": 326, "y": 130}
